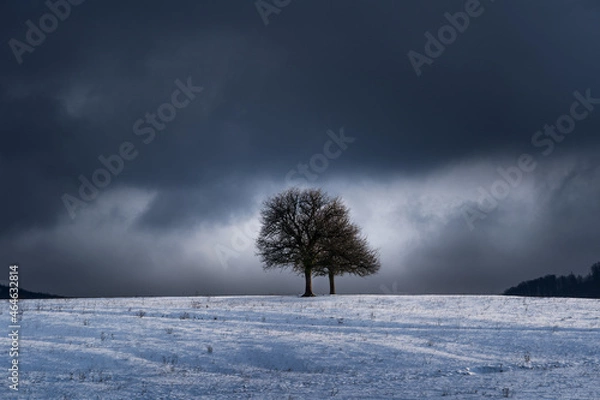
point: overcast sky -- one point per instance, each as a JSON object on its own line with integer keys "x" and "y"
{"x": 436, "y": 132}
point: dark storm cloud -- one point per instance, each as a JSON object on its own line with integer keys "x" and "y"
{"x": 185, "y": 207}
{"x": 270, "y": 93}
{"x": 554, "y": 233}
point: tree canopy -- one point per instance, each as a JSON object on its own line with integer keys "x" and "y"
{"x": 561, "y": 286}
{"x": 311, "y": 233}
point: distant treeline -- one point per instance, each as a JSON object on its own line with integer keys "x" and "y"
{"x": 26, "y": 294}
{"x": 561, "y": 286}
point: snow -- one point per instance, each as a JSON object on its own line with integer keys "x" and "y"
{"x": 278, "y": 347}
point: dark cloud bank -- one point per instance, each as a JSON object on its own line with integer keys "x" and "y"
{"x": 430, "y": 159}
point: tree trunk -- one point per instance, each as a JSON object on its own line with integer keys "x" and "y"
{"x": 331, "y": 283}
{"x": 308, "y": 278}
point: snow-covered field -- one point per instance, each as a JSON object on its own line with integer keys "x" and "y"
{"x": 277, "y": 347}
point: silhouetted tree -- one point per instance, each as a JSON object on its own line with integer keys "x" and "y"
{"x": 308, "y": 231}
{"x": 346, "y": 252}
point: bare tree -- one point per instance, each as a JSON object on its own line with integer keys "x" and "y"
{"x": 348, "y": 253}
{"x": 309, "y": 232}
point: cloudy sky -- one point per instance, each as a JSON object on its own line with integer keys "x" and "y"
{"x": 138, "y": 141}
